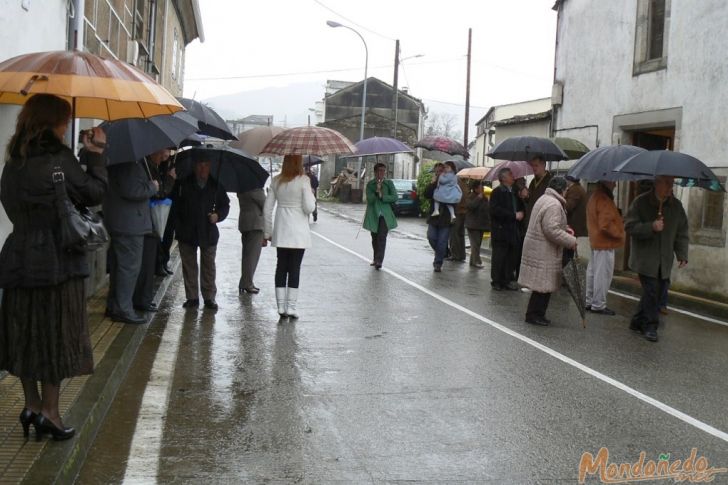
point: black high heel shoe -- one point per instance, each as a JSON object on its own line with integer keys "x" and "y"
{"x": 26, "y": 418}
{"x": 44, "y": 425}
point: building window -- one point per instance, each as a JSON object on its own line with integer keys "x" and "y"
{"x": 713, "y": 208}
{"x": 652, "y": 30}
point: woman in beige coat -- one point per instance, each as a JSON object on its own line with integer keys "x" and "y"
{"x": 546, "y": 237}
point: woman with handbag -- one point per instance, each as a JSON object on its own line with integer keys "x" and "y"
{"x": 291, "y": 197}
{"x": 44, "y": 333}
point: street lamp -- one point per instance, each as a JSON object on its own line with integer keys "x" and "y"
{"x": 333, "y": 24}
{"x": 396, "y": 91}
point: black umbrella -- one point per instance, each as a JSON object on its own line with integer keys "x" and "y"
{"x": 599, "y": 164}
{"x": 235, "y": 170}
{"x": 134, "y": 138}
{"x": 210, "y": 123}
{"x": 311, "y": 160}
{"x": 665, "y": 162}
{"x": 575, "y": 278}
{"x": 525, "y": 148}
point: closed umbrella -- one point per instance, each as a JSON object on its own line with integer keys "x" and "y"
{"x": 599, "y": 164}
{"x": 209, "y": 122}
{"x": 252, "y": 141}
{"x": 308, "y": 140}
{"x": 97, "y": 88}
{"x": 519, "y": 170}
{"x": 526, "y": 148}
{"x": 131, "y": 139}
{"x": 575, "y": 279}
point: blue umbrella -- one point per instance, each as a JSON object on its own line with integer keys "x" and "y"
{"x": 665, "y": 162}
{"x": 131, "y": 139}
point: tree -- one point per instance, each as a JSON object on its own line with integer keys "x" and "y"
{"x": 442, "y": 124}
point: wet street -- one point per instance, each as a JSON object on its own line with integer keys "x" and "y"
{"x": 402, "y": 375}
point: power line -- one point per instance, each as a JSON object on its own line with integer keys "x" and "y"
{"x": 353, "y": 22}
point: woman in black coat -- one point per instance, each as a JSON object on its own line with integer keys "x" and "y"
{"x": 44, "y": 333}
{"x": 477, "y": 220}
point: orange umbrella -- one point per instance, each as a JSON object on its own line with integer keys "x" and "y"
{"x": 97, "y": 88}
{"x": 475, "y": 173}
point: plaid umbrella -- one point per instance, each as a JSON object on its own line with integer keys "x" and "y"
{"x": 308, "y": 140}
{"x": 575, "y": 278}
{"x": 443, "y": 144}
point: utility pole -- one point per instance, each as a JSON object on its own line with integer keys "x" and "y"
{"x": 467, "y": 92}
{"x": 396, "y": 88}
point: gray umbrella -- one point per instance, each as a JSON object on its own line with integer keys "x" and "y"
{"x": 525, "y": 148}
{"x": 665, "y": 162}
{"x": 599, "y": 164}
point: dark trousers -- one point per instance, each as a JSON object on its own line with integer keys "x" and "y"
{"x": 144, "y": 291}
{"x": 252, "y": 246}
{"x": 503, "y": 263}
{"x": 537, "y": 305}
{"x": 476, "y": 239}
{"x": 663, "y": 295}
{"x": 438, "y": 237}
{"x": 198, "y": 276}
{"x": 125, "y": 261}
{"x": 649, "y": 305}
{"x": 457, "y": 238}
{"x": 379, "y": 241}
{"x": 167, "y": 239}
{"x": 288, "y": 267}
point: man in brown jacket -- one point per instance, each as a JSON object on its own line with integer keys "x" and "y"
{"x": 606, "y": 233}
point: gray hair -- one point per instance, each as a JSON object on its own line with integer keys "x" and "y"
{"x": 502, "y": 173}
{"x": 558, "y": 184}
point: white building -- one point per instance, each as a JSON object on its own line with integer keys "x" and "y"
{"x": 532, "y": 118}
{"x": 652, "y": 73}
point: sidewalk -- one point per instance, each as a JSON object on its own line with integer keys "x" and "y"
{"x": 624, "y": 284}
{"x": 84, "y": 401}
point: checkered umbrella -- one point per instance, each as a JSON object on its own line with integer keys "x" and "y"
{"x": 308, "y": 140}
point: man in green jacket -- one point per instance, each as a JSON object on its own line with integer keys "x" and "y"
{"x": 658, "y": 227}
{"x": 379, "y": 218}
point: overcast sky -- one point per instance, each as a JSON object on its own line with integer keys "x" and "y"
{"x": 264, "y": 43}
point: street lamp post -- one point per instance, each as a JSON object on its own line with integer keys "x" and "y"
{"x": 333, "y": 24}
{"x": 396, "y": 90}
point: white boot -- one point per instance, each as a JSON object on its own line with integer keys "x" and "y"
{"x": 281, "y": 301}
{"x": 291, "y": 298}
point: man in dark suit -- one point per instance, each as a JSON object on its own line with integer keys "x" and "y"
{"x": 506, "y": 210}
{"x": 128, "y": 219}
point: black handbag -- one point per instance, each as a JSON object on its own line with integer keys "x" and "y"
{"x": 80, "y": 229}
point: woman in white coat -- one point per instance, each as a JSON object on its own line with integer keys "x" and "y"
{"x": 291, "y": 196}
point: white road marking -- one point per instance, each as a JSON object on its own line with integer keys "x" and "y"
{"x": 553, "y": 353}
{"x": 143, "y": 463}
{"x": 614, "y": 292}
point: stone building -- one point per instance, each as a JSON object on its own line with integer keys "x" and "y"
{"x": 652, "y": 73}
{"x": 342, "y": 112}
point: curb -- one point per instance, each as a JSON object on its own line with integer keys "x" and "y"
{"x": 61, "y": 463}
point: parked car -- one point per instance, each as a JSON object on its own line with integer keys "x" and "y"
{"x": 407, "y": 202}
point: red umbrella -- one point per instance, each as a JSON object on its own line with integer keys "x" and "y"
{"x": 519, "y": 169}
{"x": 442, "y": 144}
{"x": 308, "y": 140}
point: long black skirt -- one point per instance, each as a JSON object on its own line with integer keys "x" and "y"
{"x": 44, "y": 332}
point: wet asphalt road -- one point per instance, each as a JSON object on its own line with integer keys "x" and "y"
{"x": 382, "y": 380}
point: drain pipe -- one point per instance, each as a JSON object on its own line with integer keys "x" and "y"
{"x": 76, "y": 16}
